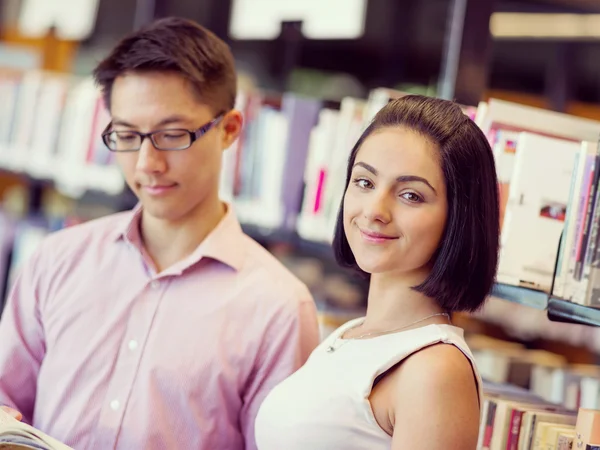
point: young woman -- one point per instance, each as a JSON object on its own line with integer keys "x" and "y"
{"x": 420, "y": 218}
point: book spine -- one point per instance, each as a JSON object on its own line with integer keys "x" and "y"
{"x": 489, "y": 427}
{"x": 591, "y": 206}
{"x": 588, "y": 202}
{"x": 514, "y": 430}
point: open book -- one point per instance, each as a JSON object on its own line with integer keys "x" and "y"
{"x": 15, "y": 435}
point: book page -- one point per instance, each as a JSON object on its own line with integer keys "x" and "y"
{"x": 15, "y": 434}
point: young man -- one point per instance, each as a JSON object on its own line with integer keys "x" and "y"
{"x": 164, "y": 327}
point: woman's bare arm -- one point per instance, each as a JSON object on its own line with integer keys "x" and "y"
{"x": 435, "y": 401}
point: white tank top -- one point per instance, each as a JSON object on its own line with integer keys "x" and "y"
{"x": 325, "y": 404}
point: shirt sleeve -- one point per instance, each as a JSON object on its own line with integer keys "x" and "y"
{"x": 287, "y": 344}
{"x": 22, "y": 344}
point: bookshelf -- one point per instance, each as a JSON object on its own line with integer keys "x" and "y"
{"x": 521, "y": 295}
{"x": 302, "y": 223}
{"x": 558, "y": 310}
{"x": 283, "y": 182}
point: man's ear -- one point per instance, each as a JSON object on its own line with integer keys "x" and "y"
{"x": 231, "y": 124}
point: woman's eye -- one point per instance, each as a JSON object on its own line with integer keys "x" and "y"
{"x": 363, "y": 183}
{"x": 412, "y": 197}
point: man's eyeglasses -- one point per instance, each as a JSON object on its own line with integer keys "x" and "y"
{"x": 168, "y": 139}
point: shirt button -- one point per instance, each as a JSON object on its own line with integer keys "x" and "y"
{"x": 114, "y": 405}
{"x": 155, "y": 284}
{"x": 133, "y": 345}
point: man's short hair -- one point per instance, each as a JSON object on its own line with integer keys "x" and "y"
{"x": 179, "y": 46}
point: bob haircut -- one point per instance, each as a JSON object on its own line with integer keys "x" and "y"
{"x": 179, "y": 46}
{"x": 464, "y": 265}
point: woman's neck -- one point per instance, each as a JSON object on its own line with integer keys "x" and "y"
{"x": 393, "y": 303}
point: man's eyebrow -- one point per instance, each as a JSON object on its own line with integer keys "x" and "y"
{"x": 166, "y": 121}
{"x": 400, "y": 179}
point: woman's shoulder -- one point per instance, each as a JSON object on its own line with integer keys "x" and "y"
{"x": 439, "y": 365}
{"x": 441, "y": 383}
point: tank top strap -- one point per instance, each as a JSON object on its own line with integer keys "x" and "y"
{"x": 380, "y": 355}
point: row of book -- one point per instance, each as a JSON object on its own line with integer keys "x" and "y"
{"x": 548, "y": 170}
{"x": 288, "y": 171}
{"x": 548, "y": 376}
{"x": 50, "y": 128}
{"x": 534, "y": 399}
{"x": 513, "y": 419}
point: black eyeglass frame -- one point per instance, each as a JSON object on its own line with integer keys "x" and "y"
{"x": 194, "y": 135}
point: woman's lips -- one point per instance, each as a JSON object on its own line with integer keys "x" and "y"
{"x": 376, "y": 237}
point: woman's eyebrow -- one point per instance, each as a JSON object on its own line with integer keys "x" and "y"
{"x": 400, "y": 179}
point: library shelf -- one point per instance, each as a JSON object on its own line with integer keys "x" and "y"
{"x": 521, "y": 295}
{"x": 560, "y": 310}
{"x": 518, "y": 294}
{"x": 557, "y": 309}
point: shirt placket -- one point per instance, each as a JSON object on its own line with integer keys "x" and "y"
{"x": 131, "y": 351}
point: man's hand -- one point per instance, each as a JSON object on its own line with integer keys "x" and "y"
{"x": 12, "y": 412}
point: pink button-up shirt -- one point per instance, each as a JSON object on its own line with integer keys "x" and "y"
{"x": 100, "y": 352}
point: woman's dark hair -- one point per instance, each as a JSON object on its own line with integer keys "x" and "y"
{"x": 180, "y": 46}
{"x": 464, "y": 265}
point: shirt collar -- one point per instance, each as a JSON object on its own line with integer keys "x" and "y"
{"x": 225, "y": 243}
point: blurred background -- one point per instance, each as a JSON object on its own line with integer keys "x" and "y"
{"x": 542, "y": 52}
{"x": 311, "y": 75}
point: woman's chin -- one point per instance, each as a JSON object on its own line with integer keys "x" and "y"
{"x": 372, "y": 267}
{"x": 379, "y": 268}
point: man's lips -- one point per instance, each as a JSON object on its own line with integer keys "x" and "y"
{"x": 158, "y": 189}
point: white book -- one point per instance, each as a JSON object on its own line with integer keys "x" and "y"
{"x": 24, "y": 128}
{"x": 504, "y": 150}
{"x": 352, "y": 114}
{"x": 312, "y": 223}
{"x": 72, "y": 19}
{"x": 536, "y": 210}
{"x": 507, "y": 115}
{"x": 46, "y": 126}
{"x": 270, "y": 210}
{"x": 264, "y": 155}
{"x": 70, "y": 174}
